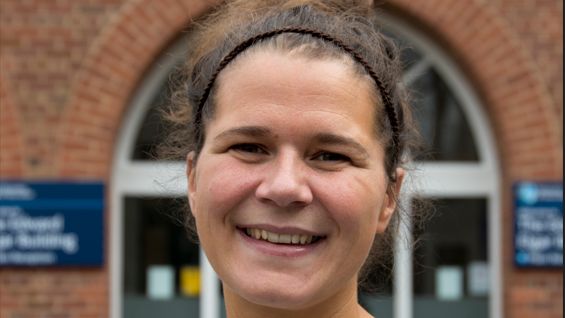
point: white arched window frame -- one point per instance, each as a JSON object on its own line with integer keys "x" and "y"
{"x": 148, "y": 179}
{"x": 435, "y": 179}
{"x": 451, "y": 179}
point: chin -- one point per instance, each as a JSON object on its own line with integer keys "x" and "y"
{"x": 281, "y": 300}
{"x": 280, "y": 296}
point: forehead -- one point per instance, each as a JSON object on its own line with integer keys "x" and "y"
{"x": 268, "y": 77}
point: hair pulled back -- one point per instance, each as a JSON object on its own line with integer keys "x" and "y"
{"x": 333, "y": 29}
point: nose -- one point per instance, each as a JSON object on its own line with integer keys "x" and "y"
{"x": 285, "y": 182}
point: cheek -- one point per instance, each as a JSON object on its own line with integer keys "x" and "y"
{"x": 221, "y": 185}
{"x": 355, "y": 201}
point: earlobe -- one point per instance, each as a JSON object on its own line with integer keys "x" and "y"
{"x": 190, "y": 177}
{"x": 389, "y": 206}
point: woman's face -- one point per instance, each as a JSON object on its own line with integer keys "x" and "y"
{"x": 289, "y": 189}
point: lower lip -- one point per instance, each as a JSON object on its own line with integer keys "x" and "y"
{"x": 281, "y": 250}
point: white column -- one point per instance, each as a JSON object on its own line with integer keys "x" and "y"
{"x": 209, "y": 295}
{"x": 494, "y": 257}
{"x": 115, "y": 254}
{"x": 402, "y": 299}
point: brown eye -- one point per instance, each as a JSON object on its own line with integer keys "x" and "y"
{"x": 248, "y": 148}
{"x": 332, "y": 157}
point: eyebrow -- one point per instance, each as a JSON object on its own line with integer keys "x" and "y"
{"x": 333, "y": 139}
{"x": 251, "y": 131}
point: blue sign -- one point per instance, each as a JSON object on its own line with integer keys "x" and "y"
{"x": 51, "y": 223}
{"x": 538, "y": 224}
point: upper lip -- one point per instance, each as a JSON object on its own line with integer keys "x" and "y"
{"x": 280, "y": 229}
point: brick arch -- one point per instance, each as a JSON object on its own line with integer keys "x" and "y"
{"x": 11, "y": 134}
{"x": 115, "y": 64}
{"x": 503, "y": 72}
{"x": 513, "y": 91}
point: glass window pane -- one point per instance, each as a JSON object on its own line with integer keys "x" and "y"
{"x": 376, "y": 298}
{"x": 441, "y": 120}
{"x": 377, "y": 305}
{"x": 409, "y": 55}
{"x": 151, "y": 132}
{"x": 450, "y": 263}
{"x": 160, "y": 272}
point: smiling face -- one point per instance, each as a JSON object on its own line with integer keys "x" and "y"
{"x": 289, "y": 188}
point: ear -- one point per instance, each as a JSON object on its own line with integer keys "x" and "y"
{"x": 191, "y": 178}
{"x": 390, "y": 201}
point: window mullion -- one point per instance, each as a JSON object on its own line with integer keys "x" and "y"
{"x": 403, "y": 280}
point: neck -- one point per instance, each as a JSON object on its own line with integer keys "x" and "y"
{"x": 343, "y": 304}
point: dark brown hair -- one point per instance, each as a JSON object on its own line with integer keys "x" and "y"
{"x": 343, "y": 30}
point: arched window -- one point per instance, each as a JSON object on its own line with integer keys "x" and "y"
{"x": 454, "y": 271}
{"x": 456, "y": 268}
{"x": 155, "y": 268}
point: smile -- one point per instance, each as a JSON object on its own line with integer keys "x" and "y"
{"x": 276, "y": 238}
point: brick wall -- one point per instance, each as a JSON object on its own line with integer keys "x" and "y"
{"x": 11, "y": 159}
{"x": 68, "y": 68}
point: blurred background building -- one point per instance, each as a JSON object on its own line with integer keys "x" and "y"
{"x": 80, "y": 82}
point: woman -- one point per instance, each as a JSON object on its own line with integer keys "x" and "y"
{"x": 295, "y": 129}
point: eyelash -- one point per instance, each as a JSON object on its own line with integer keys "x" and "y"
{"x": 248, "y": 148}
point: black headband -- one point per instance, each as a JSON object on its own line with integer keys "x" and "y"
{"x": 388, "y": 104}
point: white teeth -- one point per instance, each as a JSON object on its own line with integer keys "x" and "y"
{"x": 284, "y": 238}
{"x": 279, "y": 238}
{"x": 273, "y": 237}
{"x": 295, "y": 239}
